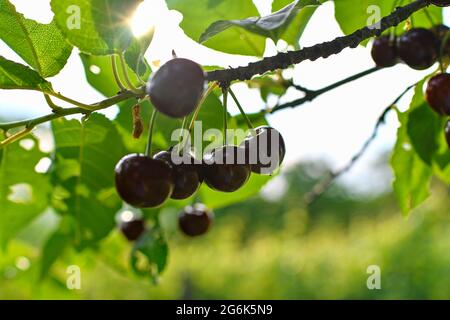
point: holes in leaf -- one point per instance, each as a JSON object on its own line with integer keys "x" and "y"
{"x": 21, "y": 193}
{"x": 27, "y": 144}
{"x": 23, "y": 263}
{"x": 95, "y": 69}
{"x": 43, "y": 165}
{"x": 407, "y": 147}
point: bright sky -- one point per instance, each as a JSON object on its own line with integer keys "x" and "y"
{"x": 332, "y": 128}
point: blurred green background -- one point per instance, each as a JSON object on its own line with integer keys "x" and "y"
{"x": 262, "y": 249}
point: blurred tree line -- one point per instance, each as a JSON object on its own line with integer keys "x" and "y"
{"x": 266, "y": 249}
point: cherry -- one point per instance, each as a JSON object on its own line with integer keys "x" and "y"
{"x": 177, "y": 87}
{"x": 187, "y": 176}
{"x": 417, "y": 48}
{"x": 259, "y": 153}
{"x": 132, "y": 229}
{"x": 438, "y": 93}
{"x": 384, "y": 52}
{"x": 447, "y": 133}
{"x": 225, "y": 169}
{"x": 195, "y": 220}
{"x": 143, "y": 182}
{"x": 441, "y": 31}
{"x": 440, "y": 3}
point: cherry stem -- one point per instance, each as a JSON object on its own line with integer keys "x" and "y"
{"x": 148, "y": 150}
{"x": 199, "y": 106}
{"x": 442, "y": 49}
{"x": 123, "y": 64}
{"x": 180, "y": 138}
{"x": 116, "y": 73}
{"x": 244, "y": 115}
{"x": 15, "y": 137}
{"x": 313, "y": 94}
{"x": 225, "y": 115}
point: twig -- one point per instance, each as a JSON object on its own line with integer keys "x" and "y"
{"x": 71, "y": 111}
{"x": 322, "y": 186}
{"x": 322, "y": 50}
{"x": 312, "y": 94}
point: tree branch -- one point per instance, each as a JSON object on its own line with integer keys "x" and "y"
{"x": 310, "y": 95}
{"x": 322, "y": 50}
{"x": 30, "y": 123}
{"x": 322, "y": 186}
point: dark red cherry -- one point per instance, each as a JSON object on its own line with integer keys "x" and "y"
{"x": 265, "y": 150}
{"x": 195, "y": 220}
{"x": 143, "y": 182}
{"x": 177, "y": 87}
{"x": 438, "y": 93}
{"x": 186, "y": 174}
{"x": 417, "y": 48}
{"x": 447, "y": 133}
{"x": 441, "y": 32}
{"x": 132, "y": 229}
{"x": 225, "y": 169}
{"x": 384, "y": 52}
{"x": 441, "y": 3}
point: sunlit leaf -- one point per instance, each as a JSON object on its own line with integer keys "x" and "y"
{"x": 272, "y": 26}
{"x": 42, "y": 46}
{"x": 24, "y": 193}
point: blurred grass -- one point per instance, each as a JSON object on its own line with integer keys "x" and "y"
{"x": 268, "y": 250}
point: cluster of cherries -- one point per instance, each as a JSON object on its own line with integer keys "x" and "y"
{"x": 193, "y": 221}
{"x": 149, "y": 181}
{"x": 420, "y": 48}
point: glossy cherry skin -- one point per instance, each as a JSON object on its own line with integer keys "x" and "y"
{"x": 417, "y": 48}
{"x": 187, "y": 176}
{"x": 132, "y": 229}
{"x": 259, "y": 153}
{"x": 177, "y": 87}
{"x": 143, "y": 182}
{"x": 384, "y": 52}
{"x": 195, "y": 220}
{"x": 441, "y": 3}
{"x": 225, "y": 169}
{"x": 438, "y": 93}
{"x": 447, "y": 133}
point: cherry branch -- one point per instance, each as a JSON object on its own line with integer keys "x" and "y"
{"x": 322, "y": 50}
{"x": 62, "y": 112}
{"x": 322, "y": 186}
{"x": 310, "y": 95}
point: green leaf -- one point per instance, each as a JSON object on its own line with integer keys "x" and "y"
{"x": 214, "y": 199}
{"x": 149, "y": 254}
{"x": 56, "y": 245}
{"x": 134, "y": 56}
{"x": 24, "y": 193}
{"x": 17, "y": 76}
{"x": 424, "y": 126}
{"x": 295, "y": 30}
{"x": 97, "y": 27}
{"x": 411, "y": 175}
{"x": 99, "y": 73}
{"x": 425, "y": 129}
{"x": 271, "y": 26}
{"x": 353, "y": 15}
{"x": 86, "y": 155}
{"x": 42, "y": 46}
{"x": 199, "y": 14}
{"x": 268, "y": 84}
